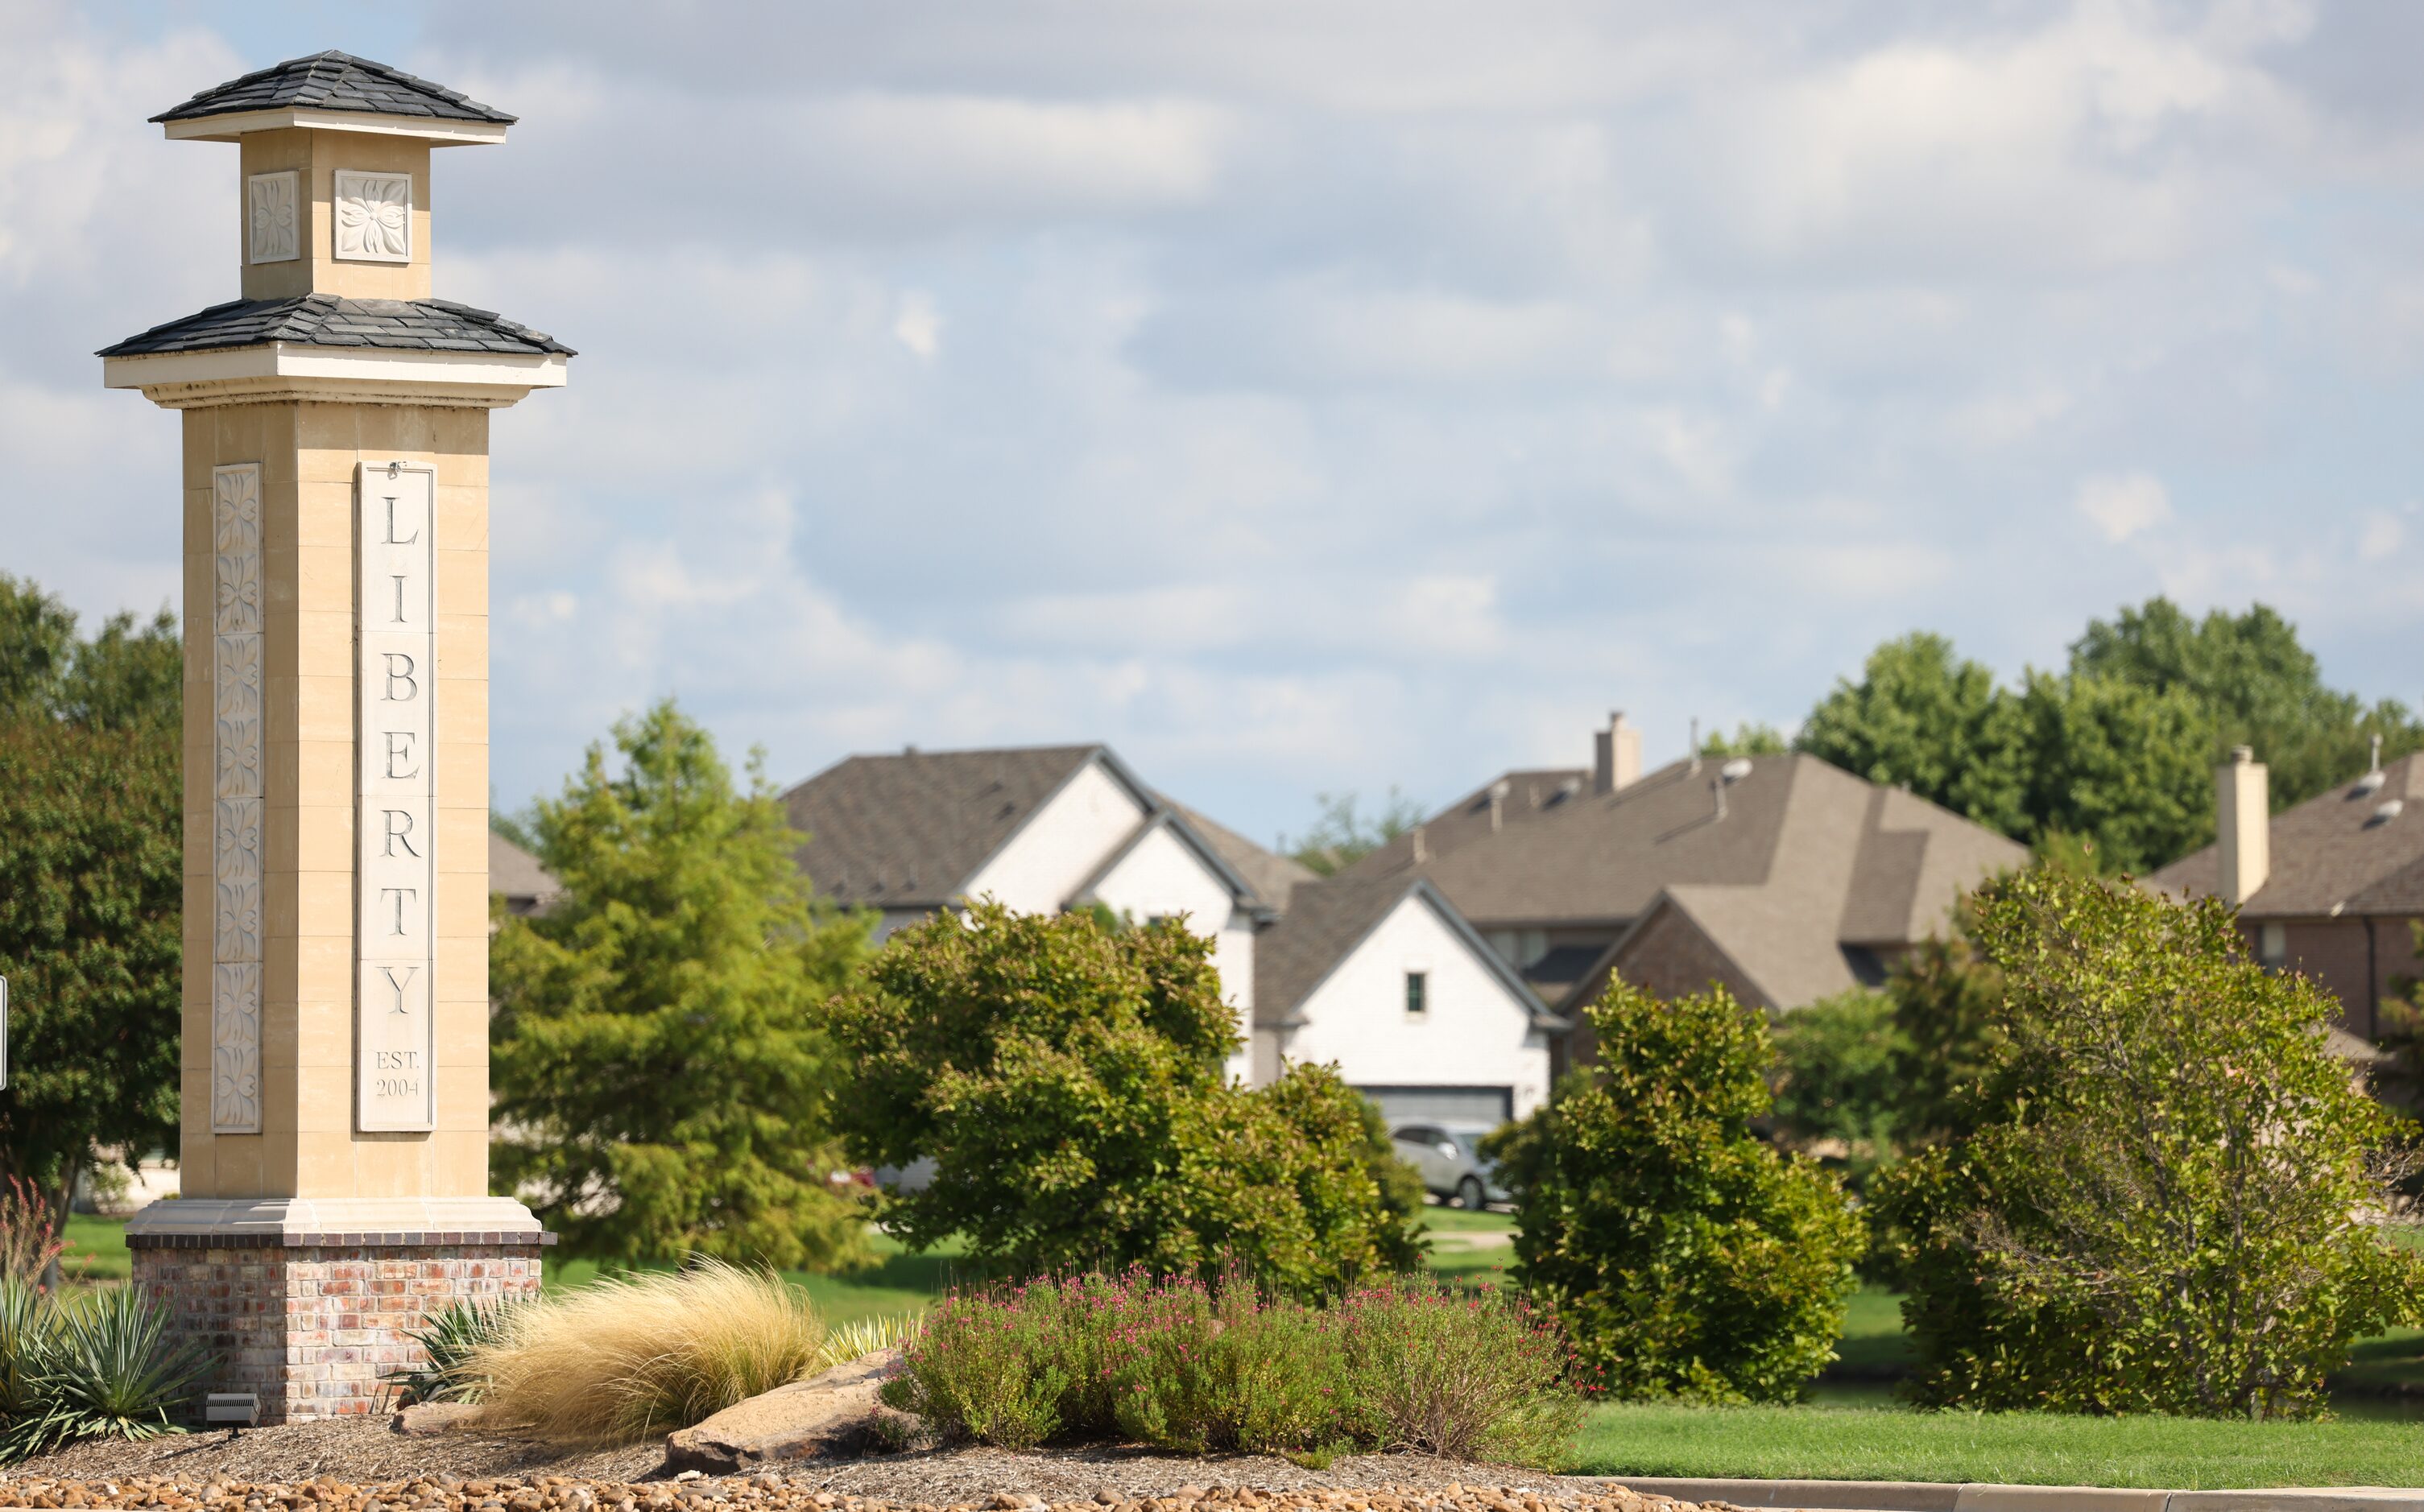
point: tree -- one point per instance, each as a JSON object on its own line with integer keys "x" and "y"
{"x": 2109, "y": 764}
{"x": 2253, "y": 684}
{"x": 1686, "y": 1255}
{"x": 1748, "y": 738}
{"x": 663, "y": 1080}
{"x": 1067, "y": 1081}
{"x": 1840, "y": 1068}
{"x": 1923, "y": 719}
{"x": 90, "y": 887}
{"x": 1946, "y": 1002}
{"x": 2168, "y": 1202}
{"x": 91, "y": 880}
{"x": 1344, "y": 835}
{"x": 37, "y": 643}
{"x": 2126, "y": 767}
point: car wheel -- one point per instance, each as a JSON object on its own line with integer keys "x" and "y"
{"x": 1468, "y": 1195}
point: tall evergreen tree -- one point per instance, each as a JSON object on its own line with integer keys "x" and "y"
{"x": 662, "y": 1082}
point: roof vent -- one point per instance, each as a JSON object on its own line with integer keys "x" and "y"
{"x": 1736, "y": 770}
{"x": 2387, "y": 811}
{"x": 2371, "y": 782}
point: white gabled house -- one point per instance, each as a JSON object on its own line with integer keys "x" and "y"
{"x": 1041, "y": 829}
{"x": 1387, "y": 979}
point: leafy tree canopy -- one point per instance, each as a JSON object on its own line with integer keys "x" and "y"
{"x": 1067, "y": 1081}
{"x": 663, "y": 1081}
{"x": 1686, "y": 1255}
{"x": 92, "y": 902}
{"x": 2168, "y": 1201}
{"x": 1345, "y": 834}
{"x": 2107, "y": 763}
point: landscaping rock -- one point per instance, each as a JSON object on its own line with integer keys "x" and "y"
{"x": 837, "y": 1412}
{"x": 428, "y": 1418}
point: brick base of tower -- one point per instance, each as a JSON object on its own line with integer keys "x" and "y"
{"x": 314, "y": 1324}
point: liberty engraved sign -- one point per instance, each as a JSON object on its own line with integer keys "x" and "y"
{"x": 395, "y": 939}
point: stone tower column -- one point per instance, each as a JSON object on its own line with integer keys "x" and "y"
{"x": 334, "y": 1152}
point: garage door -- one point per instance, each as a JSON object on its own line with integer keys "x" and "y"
{"x": 1457, "y": 1108}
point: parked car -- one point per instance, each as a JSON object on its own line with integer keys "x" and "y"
{"x": 1452, "y": 1171}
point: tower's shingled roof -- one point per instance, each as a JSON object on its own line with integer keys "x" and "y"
{"x": 326, "y": 320}
{"x": 336, "y": 81}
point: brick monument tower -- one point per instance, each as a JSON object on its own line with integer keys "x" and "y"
{"x": 334, "y": 1159}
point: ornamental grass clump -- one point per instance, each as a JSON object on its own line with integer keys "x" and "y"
{"x": 1181, "y": 1365}
{"x": 627, "y": 1358}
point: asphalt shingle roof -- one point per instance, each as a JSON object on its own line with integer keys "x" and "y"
{"x": 1563, "y": 855}
{"x": 326, "y": 320}
{"x": 2333, "y": 853}
{"x": 1807, "y": 859}
{"x": 1273, "y": 877}
{"x": 336, "y": 81}
{"x": 907, "y": 831}
{"x": 517, "y": 874}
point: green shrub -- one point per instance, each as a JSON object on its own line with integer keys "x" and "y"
{"x": 1686, "y": 1255}
{"x": 2167, "y": 1204}
{"x": 1185, "y": 1366}
{"x": 1068, "y": 1084}
{"x": 101, "y": 1367}
{"x": 1839, "y": 1077}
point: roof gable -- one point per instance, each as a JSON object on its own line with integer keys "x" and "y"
{"x": 1329, "y": 921}
{"x": 911, "y": 830}
{"x": 335, "y": 81}
{"x": 1173, "y": 823}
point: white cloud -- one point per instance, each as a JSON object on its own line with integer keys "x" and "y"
{"x": 2122, "y": 504}
{"x": 919, "y": 324}
{"x": 2379, "y": 537}
{"x": 1318, "y": 394}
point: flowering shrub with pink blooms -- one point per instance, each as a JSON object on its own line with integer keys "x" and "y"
{"x": 1177, "y": 1364}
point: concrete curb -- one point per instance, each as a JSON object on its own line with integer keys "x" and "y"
{"x": 1935, "y": 1496}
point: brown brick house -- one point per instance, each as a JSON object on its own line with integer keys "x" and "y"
{"x": 2332, "y": 887}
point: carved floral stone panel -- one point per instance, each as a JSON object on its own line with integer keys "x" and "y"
{"x": 272, "y": 212}
{"x": 235, "y": 831}
{"x": 373, "y": 216}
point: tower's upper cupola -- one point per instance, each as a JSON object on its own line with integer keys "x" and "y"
{"x": 333, "y": 248}
{"x": 335, "y": 91}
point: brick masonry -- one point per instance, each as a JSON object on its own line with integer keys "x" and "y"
{"x": 314, "y": 1327}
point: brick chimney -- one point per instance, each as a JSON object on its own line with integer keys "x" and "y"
{"x": 2244, "y": 816}
{"x": 1616, "y": 752}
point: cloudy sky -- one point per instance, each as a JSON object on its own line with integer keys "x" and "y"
{"x": 1309, "y": 395}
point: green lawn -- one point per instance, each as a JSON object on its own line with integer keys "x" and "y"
{"x": 1832, "y": 1442}
{"x": 96, "y": 1248}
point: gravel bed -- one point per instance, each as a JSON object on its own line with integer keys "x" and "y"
{"x": 775, "y": 1493}
{"x": 360, "y": 1467}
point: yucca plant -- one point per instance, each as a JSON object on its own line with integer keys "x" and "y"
{"x": 28, "y": 1327}
{"x": 449, "y": 1338}
{"x": 108, "y": 1370}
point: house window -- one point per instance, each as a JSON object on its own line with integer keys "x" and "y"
{"x": 1418, "y": 995}
{"x": 2272, "y": 946}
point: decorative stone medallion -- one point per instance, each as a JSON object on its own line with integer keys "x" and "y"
{"x": 236, "y": 801}
{"x": 272, "y": 205}
{"x": 373, "y": 216}
{"x": 395, "y": 941}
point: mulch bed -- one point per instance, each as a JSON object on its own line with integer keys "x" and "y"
{"x": 361, "y": 1467}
